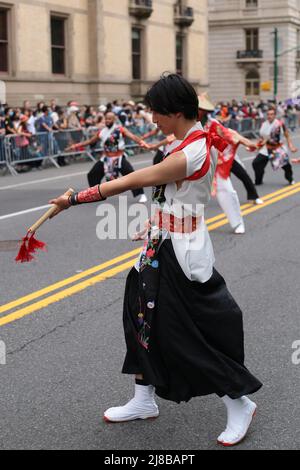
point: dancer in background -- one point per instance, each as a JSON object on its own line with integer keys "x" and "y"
{"x": 272, "y": 149}
{"x": 226, "y": 194}
{"x": 183, "y": 329}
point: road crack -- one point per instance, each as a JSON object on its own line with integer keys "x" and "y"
{"x": 64, "y": 325}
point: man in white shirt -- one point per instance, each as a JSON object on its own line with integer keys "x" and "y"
{"x": 272, "y": 132}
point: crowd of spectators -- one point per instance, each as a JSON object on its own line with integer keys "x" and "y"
{"x": 27, "y": 122}
{"x": 288, "y": 111}
{"x": 51, "y": 117}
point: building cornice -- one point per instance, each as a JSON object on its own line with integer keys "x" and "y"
{"x": 254, "y": 21}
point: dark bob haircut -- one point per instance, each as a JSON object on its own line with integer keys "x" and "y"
{"x": 173, "y": 94}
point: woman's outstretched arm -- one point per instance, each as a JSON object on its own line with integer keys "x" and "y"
{"x": 172, "y": 169}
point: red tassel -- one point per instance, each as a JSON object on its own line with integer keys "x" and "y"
{"x": 24, "y": 255}
{"x": 29, "y": 246}
{"x": 34, "y": 245}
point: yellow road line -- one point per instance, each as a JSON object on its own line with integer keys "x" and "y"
{"x": 70, "y": 280}
{"x": 264, "y": 198}
{"x": 107, "y": 274}
{"x": 65, "y": 293}
{"x": 67, "y": 281}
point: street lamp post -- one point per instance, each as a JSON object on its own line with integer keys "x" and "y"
{"x": 275, "y": 64}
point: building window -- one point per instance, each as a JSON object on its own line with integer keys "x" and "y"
{"x": 252, "y": 83}
{"x": 252, "y": 39}
{"x": 136, "y": 54}
{"x": 58, "y": 45}
{"x": 180, "y": 54}
{"x": 4, "y": 65}
{"x": 251, "y": 3}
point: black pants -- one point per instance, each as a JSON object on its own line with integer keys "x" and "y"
{"x": 97, "y": 173}
{"x": 259, "y": 165}
{"x": 239, "y": 171}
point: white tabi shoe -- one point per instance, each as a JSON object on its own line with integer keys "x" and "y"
{"x": 234, "y": 434}
{"x": 240, "y": 229}
{"x": 142, "y": 406}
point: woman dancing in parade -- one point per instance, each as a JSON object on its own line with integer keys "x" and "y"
{"x": 272, "y": 149}
{"x": 183, "y": 329}
{"x": 113, "y": 161}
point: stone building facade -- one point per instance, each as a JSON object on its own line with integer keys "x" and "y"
{"x": 98, "y": 50}
{"x": 241, "y": 45}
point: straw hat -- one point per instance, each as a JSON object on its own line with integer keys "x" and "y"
{"x": 205, "y": 103}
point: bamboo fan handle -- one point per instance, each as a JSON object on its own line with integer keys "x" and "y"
{"x": 48, "y": 214}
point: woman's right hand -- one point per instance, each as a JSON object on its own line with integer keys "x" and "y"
{"x": 143, "y": 234}
{"x": 62, "y": 203}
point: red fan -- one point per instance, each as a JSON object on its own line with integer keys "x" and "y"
{"x": 30, "y": 245}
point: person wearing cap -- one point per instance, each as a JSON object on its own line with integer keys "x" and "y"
{"x": 113, "y": 161}
{"x": 27, "y": 145}
{"x": 73, "y": 120}
{"x": 227, "y": 196}
{"x": 102, "y": 108}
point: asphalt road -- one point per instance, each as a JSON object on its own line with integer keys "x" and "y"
{"x": 64, "y": 356}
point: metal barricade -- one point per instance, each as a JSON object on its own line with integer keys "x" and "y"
{"x": 235, "y": 125}
{"x": 247, "y": 126}
{"x": 257, "y": 125}
{"x": 2, "y": 151}
{"x": 32, "y": 151}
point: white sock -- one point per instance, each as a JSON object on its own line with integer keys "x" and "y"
{"x": 144, "y": 394}
{"x": 235, "y": 407}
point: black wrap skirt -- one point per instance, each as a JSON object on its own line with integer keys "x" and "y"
{"x": 196, "y": 345}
